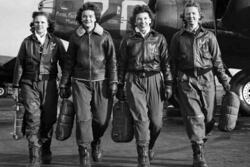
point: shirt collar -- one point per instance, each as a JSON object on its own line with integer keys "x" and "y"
{"x": 200, "y": 28}
{"x": 80, "y": 31}
{"x": 138, "y": 31}
{"x": 41, "y": 39}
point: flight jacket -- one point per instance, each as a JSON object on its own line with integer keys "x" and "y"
{"x": 37, "y": 62}
{"x": 144, "y": 54}
{"x": 200, "y": 51}
{"x": 91, "y": 56}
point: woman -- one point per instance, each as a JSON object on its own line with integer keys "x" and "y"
{"x": 196, "y": 58}
{"x": 91, "y": 63}
{"x": 144, "y": 71}
{"x": 36, "y": 73}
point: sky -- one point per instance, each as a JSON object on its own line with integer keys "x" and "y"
{"x": 14, "y": 24}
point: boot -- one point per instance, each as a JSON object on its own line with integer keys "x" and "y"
{"x": 96, "y": 150}
{"x": 151, "y": 154}
{"x": 46, "y": 153}
{"x": 84, "y": 157}
{"x": 35, "y": 156}
{"x": 198, "y": 155}
{"x": 143, "y": 159}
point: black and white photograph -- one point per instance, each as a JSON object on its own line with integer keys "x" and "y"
{"x": 125, "y": 83}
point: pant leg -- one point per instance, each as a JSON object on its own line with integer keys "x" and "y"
{"x": 101, "y": 107}
{"x": 82, "y": 95}
{"x": 31, "y": 101}
{"x": 49, "y": 109}
{"x": 155, "y": 107}
{"x": 196, "y": 95}
{"x": 136, "y": 96}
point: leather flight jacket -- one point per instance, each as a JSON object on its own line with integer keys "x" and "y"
{"x": 141, "y": 55}
{"x": 91, "y": 56}
{"x": 196, "y": 54}
{"x": 36, "y": 62}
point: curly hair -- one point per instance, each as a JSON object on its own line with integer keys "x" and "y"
{"x": 51, "y": 25}
{"x": 88, "y": 6}
{"x": 191, "y": 3}
{"x": 141, "y": 9}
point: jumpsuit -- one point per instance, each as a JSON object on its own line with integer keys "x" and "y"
{"x": 196, "y": 59}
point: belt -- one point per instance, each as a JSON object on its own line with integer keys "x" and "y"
{"x": 40, "y": 77}
{"x": 198, "y": 71}
{"x": 144, "y": 74}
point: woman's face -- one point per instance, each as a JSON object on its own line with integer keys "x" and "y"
{"x": 88, "y": 19}
{"x": 142, "y": 21}
{"x": 192, "y": 16}
{"x": 41, "y": 24}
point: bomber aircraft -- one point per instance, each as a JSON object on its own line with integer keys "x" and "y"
{"x": 228, "y": 19}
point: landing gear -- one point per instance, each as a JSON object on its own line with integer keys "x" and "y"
{"x": 241, "y": 85}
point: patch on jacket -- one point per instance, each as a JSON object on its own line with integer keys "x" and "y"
{"x": 153, "y": 49}
{"x": 52, "y": 45}
{"x": 203, "y": 44}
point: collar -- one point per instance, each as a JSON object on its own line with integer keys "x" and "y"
{"x": 138, "y": 31}
{"x": 200, "y": 28}
{"x": 80, "y": 31}
{"x": 41, "y": 39}
{"x": 34, "y": 37}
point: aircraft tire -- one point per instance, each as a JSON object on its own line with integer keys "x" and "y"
{"x": 240, "y": 84}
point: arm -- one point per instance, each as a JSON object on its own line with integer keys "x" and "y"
{"x": 173, "y": 53}
{"x": 122, "y": 62}
{"x": 61, "y": 53}
{"x": 218, "y": 63}
{"x": 112, "y": 61}
{"x": 165, "y": 62}
{"x": 18, "y": 70}
{"x": 68, "y": 64}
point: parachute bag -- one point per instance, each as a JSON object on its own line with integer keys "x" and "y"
{"x": 229, "y": 111}
{"x": 65, "y": 120}
{"x": 122, "y": 123}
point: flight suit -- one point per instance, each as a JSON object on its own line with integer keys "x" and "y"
{"x": 36, "y": 73}
{"x": 144, "y": 71}
{"x": 196, "y": 60}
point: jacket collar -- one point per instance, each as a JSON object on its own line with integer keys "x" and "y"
{"x": 80, "y": 31}
{"x": 137, "y": 33}
{"x": 201, "y": 29}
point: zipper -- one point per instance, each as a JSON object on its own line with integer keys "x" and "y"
{"x": 90, "y": 64}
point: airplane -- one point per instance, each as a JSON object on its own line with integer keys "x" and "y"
{"x": 226, "y": 18}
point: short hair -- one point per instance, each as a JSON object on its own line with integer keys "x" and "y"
{"x": 191, "y": 3}
{"x": 141, "y": 9}
{"x": 88, "y": 6}
{"x": 51, "y": 26}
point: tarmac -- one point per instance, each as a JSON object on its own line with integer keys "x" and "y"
{"x": 224, "y": 149}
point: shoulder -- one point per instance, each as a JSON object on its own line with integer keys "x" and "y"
{"x": 29, "y": 38}
{"x": 106, "y": 33}
{"x": 177, "y": 34}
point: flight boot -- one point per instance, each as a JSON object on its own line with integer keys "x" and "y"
{"x": 84, "y": 157}
{"x": 46, "y": 152}
{"x": 35, "y": 156}
{"x": 143, "y": 158}
{"x": 96, "y": 150}
{"x": 151, "y": 154}
{"x": 198, "y": 155}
